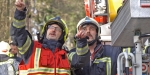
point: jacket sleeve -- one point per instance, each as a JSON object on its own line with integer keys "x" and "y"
{"x": 81, "y": 55}
{"x": 20, "y": 35}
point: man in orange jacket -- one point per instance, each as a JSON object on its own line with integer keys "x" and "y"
{"x": 46, "y": 57}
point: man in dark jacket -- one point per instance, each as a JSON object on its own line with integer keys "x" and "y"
{"x": 103, "y": 59}
{"x": 46, "y": 56}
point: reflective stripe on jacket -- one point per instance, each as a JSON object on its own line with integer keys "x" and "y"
{"x": 43, "y": 61}
{"x": 108, "y": 63}
{"x": 129, "y": 49}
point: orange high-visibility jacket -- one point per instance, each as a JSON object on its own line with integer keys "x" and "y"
{"x": 44, "y": 62}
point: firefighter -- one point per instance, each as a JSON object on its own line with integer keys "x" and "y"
{"x": 8, "y": 66}
{"x": 14, "y": 51}
{"x": 47, "y": 56}
{"x": 103, "y": 57}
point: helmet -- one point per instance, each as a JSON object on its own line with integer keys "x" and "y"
{"x": 61, "y": 23}
{"x": 12, "y": 43}
{"x": 4, "y": 47}
{"x": 88, "y": 20}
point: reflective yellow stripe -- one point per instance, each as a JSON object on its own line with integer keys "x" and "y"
{"x": 43, "y": 74}
{"x": 18, "y": 23}
{"x": 62, "y": 71}
{"x": 26, "y": 46}
{"x": 82, "y": 51}
{"x": 45, "y": 70}
{"x": 109, "y": 67}
{"x": 10, "y": 54}
{"x": 108, "y": 63}
{"x": 17, "y": 72}
{"x": 144, "y": 49}
{"x": 129, "y": 49}
{"x": 37, "y": 57}
{"x": 71, "y": 55}
{"x": 23, "y": 72}
{"x": 9, "y": 61}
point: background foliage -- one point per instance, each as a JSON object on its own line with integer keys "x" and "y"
{"x": 39, "y": 11}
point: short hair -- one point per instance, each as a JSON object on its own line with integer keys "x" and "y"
{"x": 12, "y": 43}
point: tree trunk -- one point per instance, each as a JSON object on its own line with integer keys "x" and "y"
{"x": 28, "y": 17}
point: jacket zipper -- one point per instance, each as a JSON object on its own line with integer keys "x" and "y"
{"x": 93, "y": 55}
{"x": 55, "y": 63}
{"x": 55, "y": 59}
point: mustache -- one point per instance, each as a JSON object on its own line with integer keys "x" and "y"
{"x": 52, "y": 33}
{"x": 88, "y": 34}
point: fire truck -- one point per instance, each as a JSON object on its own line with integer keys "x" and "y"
{"x": 126, "y": 24}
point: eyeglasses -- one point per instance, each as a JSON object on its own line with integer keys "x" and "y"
{"x": 56, "y": 28}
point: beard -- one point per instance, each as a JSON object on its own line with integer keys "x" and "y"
{"x": 49, "y": 37}
{"x": 90, "y": 37}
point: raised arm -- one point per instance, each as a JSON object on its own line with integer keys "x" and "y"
{"x": 18, "y": 32}
{"x": 80, "y": 56}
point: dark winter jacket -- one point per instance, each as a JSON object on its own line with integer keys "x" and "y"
{"x": 101, "y": 51}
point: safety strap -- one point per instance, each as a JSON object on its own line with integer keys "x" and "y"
{"x": 108, "y": 63}
{"x": 11, "y": 70}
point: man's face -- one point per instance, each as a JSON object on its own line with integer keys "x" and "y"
{"x": 90, "y": 31}
{"x": 53, "y": 32}
{"x": 14, "y": 49}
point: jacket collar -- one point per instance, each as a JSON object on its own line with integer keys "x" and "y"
{"x": 99, "y": 50}
{"x": 51, "y": 44}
